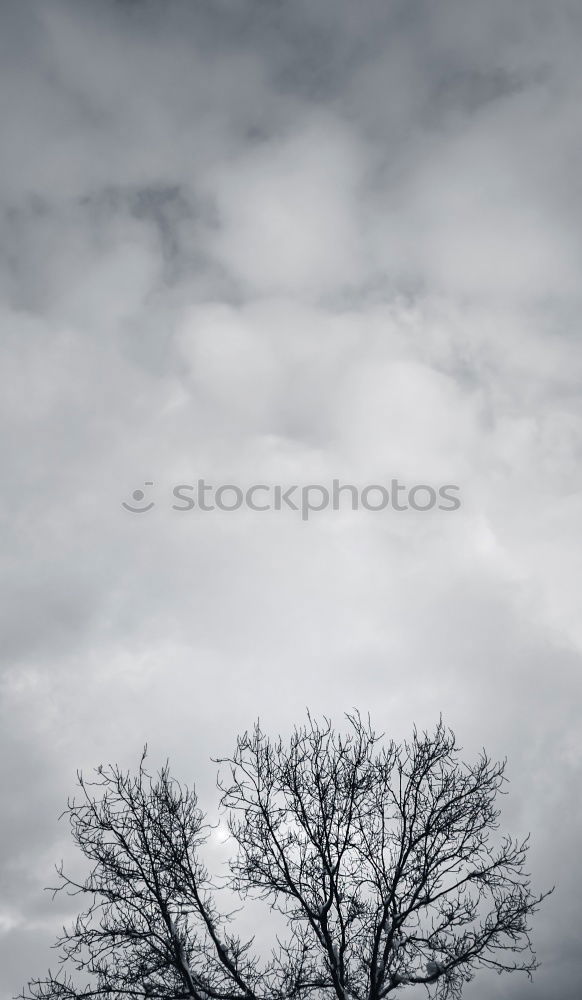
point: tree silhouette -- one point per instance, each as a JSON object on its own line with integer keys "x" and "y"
{"x": 384, "y": 861}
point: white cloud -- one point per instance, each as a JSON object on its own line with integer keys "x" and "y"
{"x": 287, "y": 212}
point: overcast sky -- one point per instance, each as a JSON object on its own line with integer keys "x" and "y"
{"x": 282, "y": 242}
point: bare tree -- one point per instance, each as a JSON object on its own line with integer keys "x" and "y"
{"x": 152, "y": 928}
{"x": 383, "y": 857}
{"x": 384, "y": 860}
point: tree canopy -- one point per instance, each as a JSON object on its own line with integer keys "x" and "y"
{"x": 383, "y": 860}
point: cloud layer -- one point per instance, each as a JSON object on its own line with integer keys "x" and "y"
{"x": 289, "y": 242}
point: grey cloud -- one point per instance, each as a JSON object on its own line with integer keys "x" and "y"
{"x": 288, "y": 242}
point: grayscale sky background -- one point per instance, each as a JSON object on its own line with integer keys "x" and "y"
{"x": 285, "y": 241}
